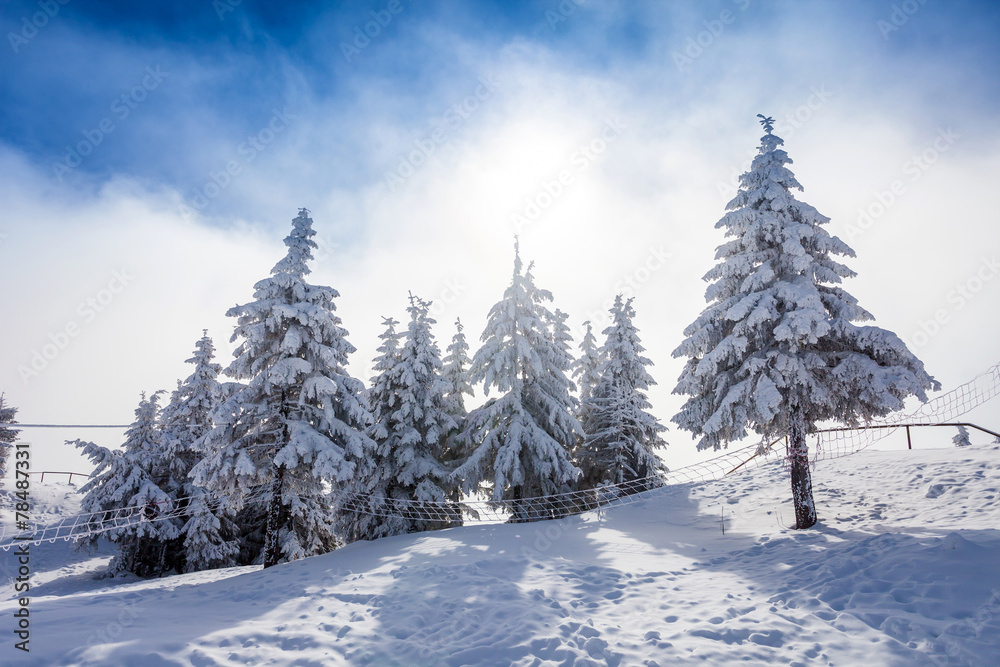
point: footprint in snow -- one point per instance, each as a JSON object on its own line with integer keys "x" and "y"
{"x": 935, "y": 490}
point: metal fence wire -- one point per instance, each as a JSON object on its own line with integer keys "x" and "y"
{"x": 830, "y": 444}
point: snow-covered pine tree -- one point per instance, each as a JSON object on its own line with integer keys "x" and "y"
{"x": 520, "y": 438}
{"x": 126, "y": 478}
{"x": 621, "y": 434}
{"x": 366, "y": 490}
{"x": 7, "y": 436}
{"x": 777, "y": 349}
{"x": 207, "y": 540}
{"x": 961, "y": 438}
{"x": 412, "y": 424}
{"x": 563, "y": 340}
{"x": 188, "y": 417}
{"x": 456, "y": 372}
{"x": 585, "y": 370}
{"x": 299, "y": 423}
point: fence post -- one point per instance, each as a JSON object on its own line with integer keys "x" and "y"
{"x": 909, "y": 443}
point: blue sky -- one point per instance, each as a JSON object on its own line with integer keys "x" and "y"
{"x": 206, "y": 125}
{"x": 226, "y": 69}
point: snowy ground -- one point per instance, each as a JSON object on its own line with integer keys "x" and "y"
{"x": 904, "y": 568}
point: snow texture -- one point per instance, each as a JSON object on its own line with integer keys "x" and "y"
{"x": 904, "y": 570}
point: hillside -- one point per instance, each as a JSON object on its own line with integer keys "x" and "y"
{"x": 904, "y": 568}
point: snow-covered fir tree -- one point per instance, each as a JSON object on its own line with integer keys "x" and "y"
{"x": 961, "y": 438}
{"x": 585, "y": 369}
{"x": 299, "y": 423}
{"x": 7, "y": 435}
{"x": 777, "y": 349}
{"x": 520, "y": 439}
{"x": 563, "y": 341}
{"x": 411, "y": 427}
{"x": 456, "y": 372}
{"x": 621, "y": 434}
{"x": 208, "y": 540}
{"x": 128, "y": 478}
{"x": 365, "y": 491}
{"x": 187, "y": 418}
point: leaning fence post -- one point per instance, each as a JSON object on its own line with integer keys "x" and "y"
{"x": 909, "y": 443}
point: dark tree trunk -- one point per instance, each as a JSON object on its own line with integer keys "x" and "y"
{"x": 798, "y": 458}
{"x": 272, "y": 550}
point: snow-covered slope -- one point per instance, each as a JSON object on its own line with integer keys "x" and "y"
{"x": 904, "y": 568}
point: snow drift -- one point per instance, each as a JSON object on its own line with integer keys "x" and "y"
{"x": 903, "y": 568}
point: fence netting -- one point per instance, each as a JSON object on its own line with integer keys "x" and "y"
{"x": 829, "y": 444}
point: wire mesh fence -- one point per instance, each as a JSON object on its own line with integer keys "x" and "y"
{"x": 830, "y": 444}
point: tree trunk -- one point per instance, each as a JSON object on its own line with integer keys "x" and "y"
{"x": 272, "y": 550}
{"x": 798, "y": 458}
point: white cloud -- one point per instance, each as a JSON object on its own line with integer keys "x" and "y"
{"x": 446, "y": 232}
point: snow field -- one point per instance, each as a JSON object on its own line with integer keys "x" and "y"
{"x": 903, "y": 568}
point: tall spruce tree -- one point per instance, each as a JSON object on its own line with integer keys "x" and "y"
{"x": 520, "y": 439}
{"x": 132, "y": 478}
{"x": 365, "y": 516}
{"x": 777, "y": 349}
{"x": 299, "y": 423}
{"x": 8, "y": 435}
{"x": 411, "y": 428}
{"x": 208, "y": 536}
{"x": 585, "y": 368}
{"x": 187, "y": 418}
{"x": 456, "y": 372}
{"x": 563, "y": 341}
{"x": 621, "y": 434}
{"x": 585, "y": 371}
